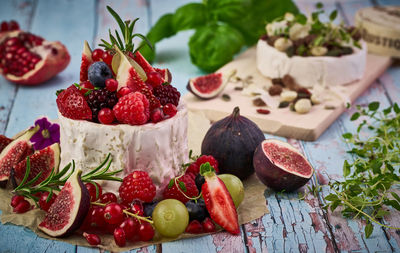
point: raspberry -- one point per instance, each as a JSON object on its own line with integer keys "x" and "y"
{"x": 167, "y": 93}
{"x": 193, "y": 168}
{"x": 154, "y": 102}
{"x": 208, "y": 158}
{"x": 99, "y": 99}
{"x": 137, "y": 185}
{"x": 186, "y": 184}
{"x": 72, "y": 104}
{"x": 132, "y": 109}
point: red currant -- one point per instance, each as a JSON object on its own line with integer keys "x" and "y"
{"x": 113, "y": 213}
{"x": 154, "y": 79}
{"x": 157, "y": 115}
{"x": 108, "y": 197}
{"x": 130, "y": 227}
{"x": 97, "y": 54}
{"x": 22, "y": 207}
{"x": 44, "y": 205}
{"x": 111, "y": 84}
{"x": 170, "y": 110}
{"x": 119, "y": 237}
{"x": 4, "y": 26}
{"x": 124, "y": 91}
{"x": 85, "y": 87}
{"x": 107, "y": 57}
{"x": 92, "y": 191}
{"x": 92, "y": 239}
{"x": 106, "y": 116}
{"x": 97, "y": 217}
{"x": 16, "y": 199}
{"x": 137, "y": 208}
{"x": 13, "y": 25}
{"x": 208, "y": 225}
{"x": 146, "y": 232}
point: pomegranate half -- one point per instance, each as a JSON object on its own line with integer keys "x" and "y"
{"x": 28, "y": 59}
{"x": 280, "y": 166}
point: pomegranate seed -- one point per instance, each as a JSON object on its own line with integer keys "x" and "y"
{"x": 154, "y": 79}
{"x": 16, "y": 199}
{"x": 44, "y": 205}
{"x": 146, "y": 232}
{"x": 208, "y": 225}
{"x": 107, "y": 57}
{"x": 92, "y": 239}
{"x": 4, "y": 26}
{"x": 263, "y": 111}
{"x": 113, "y": 213}
{"x": 170, "y": 110}
{"x": 157, "y": 115}
{"x": 119, "y": 237}
{"x": 124, "y": 91}
{"x": 130, "y": 227}
{"x": 13, "y": 25}
{"x": 108, "y": 197}
{"x": 97, "y": 54}
{"x": 92, "y": 191}
{"x": 111, "y": 84}
{"x": 22, "y": 207}
{"x": 106, "y": 116}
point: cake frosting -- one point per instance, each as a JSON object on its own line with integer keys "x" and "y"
{"x": 159, "y": 149}
{"x": 312, "y": 70}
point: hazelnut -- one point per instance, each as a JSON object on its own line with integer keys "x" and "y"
{"x": 288, "y": 96}
{"x": 319, "y": 51}
{"x": 282, "y": 44}
{"x": 315, "y": 99}
{"x": 275, "y": 90}
{"x": 299, "y": 31}
{"x": 302, "y": 106}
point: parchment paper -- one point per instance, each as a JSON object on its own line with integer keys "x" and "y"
{"x": 252, "y": 207}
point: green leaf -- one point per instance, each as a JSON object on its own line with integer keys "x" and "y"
{"x": 355, "y": 116}
{"x": 396, "y": 108}
{"x": 395, "y": 196}
{"x": 171, "y": 183}
{"x": 346, "y": 168}
{"x": 376, "y": 166}
{"x": 331, "y": 197}
{"x": 334, "y": 205}
{"x": 189, "y": 16}
{"x": 205, "y": 168}
{"x": 333, "y": 15}
{"x": 182, "y": 186}
{"x": 373, "y": 106}
{"x": 301, "y": 18}
{"x": 319, "y": 5}
{"x": 226, "y": 9}
{"x": 368, "y": 229}
{"x": 347, "y": 135}
{"x": 214, "y": 45}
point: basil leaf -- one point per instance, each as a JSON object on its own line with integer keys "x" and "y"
{"x": 189, "y": 16}
{"x": 214, "y": 45}
{"x": 226, "y": 9}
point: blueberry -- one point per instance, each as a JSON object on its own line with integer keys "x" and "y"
{"x": 199, "y": 180}
{"x": 197, "y": 211}
{"x": 149, "y": 207}
{"x": 98, "y": 73}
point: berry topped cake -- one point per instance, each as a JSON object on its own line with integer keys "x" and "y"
{"x": 125, "y": 107}
{"x": 313, "y": 52}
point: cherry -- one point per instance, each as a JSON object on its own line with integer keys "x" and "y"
{"x": 113, "y": 213}
{"x": 108, "y": 197}
{"x": 92, "y": 191}
{"x": 124, "y": 91}
{"x": 16, "y": 199}
{"x": 154, "y": 79}
{"x": 111, "y": 84}
{"x": 106, "y": 116}
{"x": 157, "y": 115}
{"x": 130, "y": 227}
{"x": 85, "y": 87}
{"x": 119, "y": 237}
{"x": 170, "y": 110}
{"x": 13, "y": 25}
{"x": 146, "y": 232}
{"x": 44, "y": 205}
{"x": 92, "y": 239}
{"x": 208, "y": 225}
{"x": 97, "y": 54}
{"x": 22, "y": 207}
{"x": 4, "y": 26}
{"x": 107, "y": 57}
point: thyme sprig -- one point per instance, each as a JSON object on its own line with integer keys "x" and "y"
{"x": 56, "y": 180}
{"x": 371, "y": 179}
{"x": 126, "y": 27}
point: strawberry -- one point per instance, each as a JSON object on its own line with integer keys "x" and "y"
{"x": 186, "y": 185}
{"x": 4, "y": 141}
{"x": 72, "y": 104}
{"x": 218, "y": 201}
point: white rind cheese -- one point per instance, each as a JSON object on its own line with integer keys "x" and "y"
{"x": 312, "y": 70}
{"x": 160, "y": 149}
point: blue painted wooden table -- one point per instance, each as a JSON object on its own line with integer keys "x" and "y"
{"x": 293, "y": 225}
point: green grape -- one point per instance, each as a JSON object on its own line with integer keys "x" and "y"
{"x": 170, "y": 217}
{"x": 234, "y": 186}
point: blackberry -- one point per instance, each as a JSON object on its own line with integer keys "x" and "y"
{"x": 99, "y": 99}
{"x": 167, "y": 93}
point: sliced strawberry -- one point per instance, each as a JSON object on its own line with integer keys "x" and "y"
{"x": 72, "y": 104}
{"x": 138, "y": 57}
{"x": 134, "y": 81}
{"x": 218, "y": 201}
{"x": 86, "y": 61}
{"x": 4, "y": 141}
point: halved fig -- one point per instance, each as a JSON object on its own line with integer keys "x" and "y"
{"x": 129, "y": 72}
{"x": 208, "y": 86}
{"x": 280, "y": 166}
{"x": 85, "y": 62}
{"x": 15, "y": 152}
{"x": 41, "y": 161}
{"x": 69, "y": 209}
{"x": 4, "y": 141}
{"x": 165, "y": 73}
{"x": 29, "y": 59}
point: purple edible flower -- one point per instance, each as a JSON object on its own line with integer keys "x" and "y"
{"x": 47, "y": 135}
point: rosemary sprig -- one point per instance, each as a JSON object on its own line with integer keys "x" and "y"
{"x": 368, "y": 188}
{"x": 126, "y": 28}
{"x": 56, "y": 180}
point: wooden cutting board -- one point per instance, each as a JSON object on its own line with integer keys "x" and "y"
{"x": 283, "y": 122}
